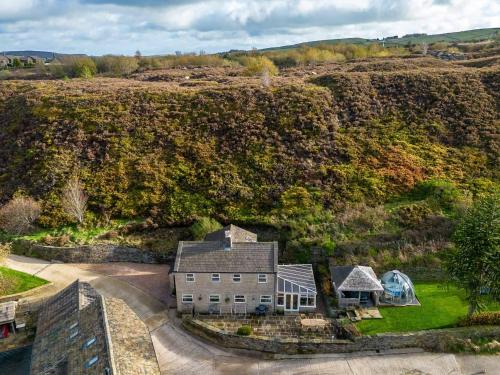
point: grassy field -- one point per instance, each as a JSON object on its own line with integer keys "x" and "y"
{"x": 16, "y": 282}
{"x": 441, "y": 307}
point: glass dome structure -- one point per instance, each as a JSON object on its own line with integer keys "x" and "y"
{"x": 398, "y": 288}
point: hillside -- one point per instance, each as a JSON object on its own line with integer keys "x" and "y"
{"x": 318, "y": 152}
{"x": 467, "y": 36}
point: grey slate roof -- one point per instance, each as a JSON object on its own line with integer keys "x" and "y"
{"x": 355, "y": 278}
{"x": 210, "y": 256}
{"x": 300, "y": 274}
{"x": 237, "y": 234}
{"x": 77, "y": 314}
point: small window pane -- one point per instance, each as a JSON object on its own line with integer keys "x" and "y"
{"x": 187, "y": 298}
{"x": 190, "y": 277}
{"x": 236, "y": 278}
{"x": 262, "y": 278}
{"x": 214, "y": 298}
{"x": 266, "y": 299}
{"x": 90, "y": 342}
{"x": 215, "y": 277}
{"x": 91, "y": 361}
{"x": 281, "y": 300}
{"x": 239, "y": 299}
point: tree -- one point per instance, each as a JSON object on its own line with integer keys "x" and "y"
{"x": 74, "y": 200}
{"x": 16, "y": 63}
{"x": 203, "y": 226}
{"x": 138, "y": 55}
{"x": 475, "y": 263}
{"x": 19, "y": 214}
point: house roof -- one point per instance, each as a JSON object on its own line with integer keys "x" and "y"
{"x": 210, "y": 256}
{"x": 301, "y": 275}
{"x": 7, "y": 311}
{"x": 355, "y": 278}
{"x": 237, "y": 234}
{"x": 78, "y": 315}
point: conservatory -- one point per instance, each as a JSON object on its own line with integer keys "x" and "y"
{"x": 398, "y": 289}
{"x": 296, "y": 289}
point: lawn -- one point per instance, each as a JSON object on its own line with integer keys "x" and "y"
{"x": 441, "y": 307}
{"x": 16, "y": 282}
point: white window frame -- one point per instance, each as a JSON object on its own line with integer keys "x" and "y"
{"x": 90, "y": 342}
{"x": 269, "y": 299}
{"x": 262, "y": 275}
{"x": 214, "y": 295}
{"x": 242, "y": 300}
{"x": 217, "y": 280}
{"x": 190, "y": 278}
{"x": 184, "y": 295}
{"x": 278, "y": 299}
{"x": 238, "y": 275}
{"x": 307, "y": 296}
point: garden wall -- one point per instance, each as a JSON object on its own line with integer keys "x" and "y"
{"x": 435, "y": 340}
{"x": 98, "y": 253}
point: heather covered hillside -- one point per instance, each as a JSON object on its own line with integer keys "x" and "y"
{"x": 325, "y": 148}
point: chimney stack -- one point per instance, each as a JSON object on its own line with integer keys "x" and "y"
{"x": 228, "y": 243}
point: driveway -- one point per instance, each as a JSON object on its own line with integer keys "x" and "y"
{"x": 180, "y": 353}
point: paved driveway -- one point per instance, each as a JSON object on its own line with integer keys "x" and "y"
{"x": 180, "y": 353}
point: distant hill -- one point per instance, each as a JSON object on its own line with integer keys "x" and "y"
{"x": 460, "y": 36}
{"x": 42, "y": 54}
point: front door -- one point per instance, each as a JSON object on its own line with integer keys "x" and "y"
{"x": 291, "y": 302}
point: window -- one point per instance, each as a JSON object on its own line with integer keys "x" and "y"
{"x": 239, "y": 298}
{"x": 73, "y": 325}
{"x": 236, "y": 278}
{"x": 266, "y": 299}
{"x": 91, "y": 361}
{"x": 262, "y": 278}
{"x": 216, "y": 277}
{"x": 281, "y": 300}
{"x": 307, "y": 300}
{"x": 190, "y": 277}
{"x": 214, "y": 298}
{"x": 89, "y": 342}
{"x": 73, "y": 334}
{"x": 187, "y": 298}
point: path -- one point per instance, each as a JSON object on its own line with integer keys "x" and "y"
{"x": 180, "y": 353}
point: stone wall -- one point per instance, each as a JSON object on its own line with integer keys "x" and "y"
{"x": 428, "y": 340}
{"x": 98, "y": 253}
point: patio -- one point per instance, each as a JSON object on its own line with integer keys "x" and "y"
{"x": 311, "y": 326}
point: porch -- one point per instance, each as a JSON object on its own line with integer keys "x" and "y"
{"x": 357, "y": 298}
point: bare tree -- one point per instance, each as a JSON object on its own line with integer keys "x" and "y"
{"x": 74, "y": 200}
{"x": 19, "y": 214}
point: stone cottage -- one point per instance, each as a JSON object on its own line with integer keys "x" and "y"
{"x": 231, "y": 272}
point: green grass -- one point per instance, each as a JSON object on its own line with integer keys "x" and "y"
{"x": 441, "y": 307}
{"x": 17, "y": 282}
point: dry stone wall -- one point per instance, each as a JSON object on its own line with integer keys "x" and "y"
{"x": 98, "y": 253}
{"x": 428, "y": 340}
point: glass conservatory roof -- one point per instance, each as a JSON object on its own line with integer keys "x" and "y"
{"x": 296, "y": 278}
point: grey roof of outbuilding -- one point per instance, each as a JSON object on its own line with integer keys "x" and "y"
{"x": 237, "y": 234}
{"x": 210, "y": 256}
{"x": 300, "y": 274}
{"x": 355, "y": 278}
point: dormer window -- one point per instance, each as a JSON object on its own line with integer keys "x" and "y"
{"x": 190, "y": 277}
{"x": 215, "y": 277}
{"x": 262, "y": 278}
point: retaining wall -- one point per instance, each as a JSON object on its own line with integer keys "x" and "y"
{"x": 428, "y": 340}
{"x": 98, "y": 253}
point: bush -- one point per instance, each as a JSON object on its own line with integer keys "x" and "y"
{"x": 19, "y": 214}
{"x": 79, "y": 67}
{"x": 413, "y": 215}
{"x": 203, "y": 226}
{"x": 244, "y": 331}
{"x": 441, "y": 193}
{"x": 116, "y": 65}
{"x": 258, "y": 65}
{"x": 482, "y": 318}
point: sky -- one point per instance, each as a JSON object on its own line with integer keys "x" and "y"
{"x": 97, "y": 27}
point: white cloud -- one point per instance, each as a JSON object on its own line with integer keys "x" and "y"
{"x": 122, "y": 26}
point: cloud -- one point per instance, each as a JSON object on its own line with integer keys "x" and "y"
{"x": 154, "y": 26}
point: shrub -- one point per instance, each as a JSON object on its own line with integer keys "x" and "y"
{"x": 412, "y": 215}
{"x": 258, "y": 65}
{"x": 244, "y": 331}
{"x": 441, "y": 193}
{"x": 19, "y": 214}
{"x": 79, "y": 67}
{"x": 203, "y": 226}
{"x": 116, "y": 65}
{"x": 482, "y": 318}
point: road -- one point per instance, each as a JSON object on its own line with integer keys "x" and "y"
{"x": 181, "y": 353}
